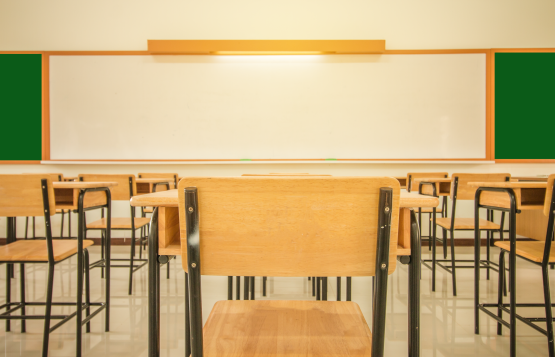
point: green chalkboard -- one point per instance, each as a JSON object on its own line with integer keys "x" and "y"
{"x": 20, "y": 106}
{"x": 524, "y": 105}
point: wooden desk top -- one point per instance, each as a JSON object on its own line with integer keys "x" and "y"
{"x": 154, "y": 180}
{"x": 509, "y": 184}
{"x": 413, "y": 199}
{"x": 431, "y": 179}
{"x": 529, "y": 179}
{"x": 79, "y": 184}
{"x": 169, "y": 199}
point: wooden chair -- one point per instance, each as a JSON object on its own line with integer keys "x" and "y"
{"x": 535, "y": 252}
{"x": 411, "y": 176}
{"x": 29, "y": 196}
{"x": 287, "y": 227}
{"x": 460, "y": 190}
{"x": 125, "y": 189}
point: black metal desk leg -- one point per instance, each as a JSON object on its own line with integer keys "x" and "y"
{"x": 153, "y": 289}
{"x": 414, "y": 288}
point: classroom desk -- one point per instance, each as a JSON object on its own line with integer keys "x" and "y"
{"x": 81, "y": 197}
{"x": 528, "y": 197}
{"x": 150, "y": 185}
{"x": 529, "y": 179}
{"x": 443, "y": 186}
{"x": 165, "y": 236}
{"x": 402, "y": 181}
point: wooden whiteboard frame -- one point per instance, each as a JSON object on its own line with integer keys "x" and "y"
{"x": 490, "y": 133}
{"x": 492, "y": 101}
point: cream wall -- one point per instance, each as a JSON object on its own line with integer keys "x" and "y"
{"x": 405, "y": 24}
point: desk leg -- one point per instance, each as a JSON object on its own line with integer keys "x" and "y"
{"x": 414, "y": 288}
{"x": 153, "y": 288}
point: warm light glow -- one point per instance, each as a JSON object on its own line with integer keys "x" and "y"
{"x": 243, "y": 53}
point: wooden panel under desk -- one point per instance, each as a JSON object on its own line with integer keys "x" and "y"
{"x": 532, "y": 224}
{"x": 68, "y": 198}
{"x": 442, "y": 189}
{"x": 168, "y": 231}
{"x": 526, "y": 198}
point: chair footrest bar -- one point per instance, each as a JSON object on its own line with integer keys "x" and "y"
{"x": 93, "y": 314}
{"x": 523, "y": 319}
{"x": 497, "y": 318}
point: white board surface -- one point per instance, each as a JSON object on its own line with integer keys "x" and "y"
{"x": 268, "y": 107}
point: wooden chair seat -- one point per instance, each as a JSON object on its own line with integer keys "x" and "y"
{"x": 293, "y": 328}
{"x": 119, "y": 223}
{"x": 529, "y": 250}
{"x": 466, "y": 223}
{"x": 37, "y": 251}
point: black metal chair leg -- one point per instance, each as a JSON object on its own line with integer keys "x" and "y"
{"x": 238, "y": 288}
{"x": 62, "y": 225}
{"x": 488, "y": 239}
{"x": 325, "y": 289}
{"x": 313, "y": 286}
{"x": 429, "y": 232}
{"x": 338, "y": 288}
{"x": 102, "y": 250}
{"x": 548, "y": 312}
{"x": 246, "y": 288}
{"x": 230, "y": 288}
{"x": 22, "y": 294}
{"x": 318, "y": 288}
{"x": 348, "y": 292}
{"x": 87, "y": 286}
{"x": 444, "y": 243}
{"x": 187, "y": 319}
{"x": 453, "y": 262}
{"x": 26, "y": 226}
{"x": 132, "y": 256}
{"x": 167, "y": 269}
{"x": 252, "y": 287}
{"x": 501, "y": 283}
{"x": 34, "y": 235}
{"x": 48, "y": 310}
{"x": 8, "y": 292}
{"x": 264, "y": 279}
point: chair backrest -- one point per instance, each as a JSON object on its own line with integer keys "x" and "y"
{"x": 54, "y": 177}
{"x": 21, "y": 195}
{"x": 174, "y": 177}
{"x": 466, "y": 192}
{"x": 548, "y": 195}
{"x": 289, "y": 226}
{"x": 414, "y": 175}
{"x": 125, "y": 189}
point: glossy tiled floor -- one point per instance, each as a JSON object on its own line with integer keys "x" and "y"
{"x": 447, "y": 324}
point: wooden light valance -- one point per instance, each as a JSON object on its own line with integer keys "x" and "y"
{"x": 265, "y": 47}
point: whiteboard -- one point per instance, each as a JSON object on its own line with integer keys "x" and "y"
{"x": 268, "y": 107}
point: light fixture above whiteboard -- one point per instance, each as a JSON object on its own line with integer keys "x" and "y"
{"x": 266, "y": 47}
